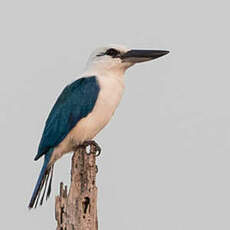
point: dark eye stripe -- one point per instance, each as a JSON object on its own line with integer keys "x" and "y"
{"x": 112, "y": 52}
{"x": 100, "y": 54}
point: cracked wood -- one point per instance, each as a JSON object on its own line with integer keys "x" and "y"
{"x": 77, "y": 209}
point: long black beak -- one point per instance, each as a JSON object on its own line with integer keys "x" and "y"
{"x": 136, "y": 56}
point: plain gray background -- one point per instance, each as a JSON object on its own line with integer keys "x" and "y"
{"x": 165, "y": 159}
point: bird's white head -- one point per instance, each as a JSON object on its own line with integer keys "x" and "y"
{"x": 116, "y": 59}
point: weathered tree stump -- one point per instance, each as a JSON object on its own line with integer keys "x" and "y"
{"x": 77, "y": 210}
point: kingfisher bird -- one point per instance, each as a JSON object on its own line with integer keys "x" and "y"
{"x": 84, "y": 108}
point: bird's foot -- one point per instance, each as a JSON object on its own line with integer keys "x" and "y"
{"x": 94, "y": 147}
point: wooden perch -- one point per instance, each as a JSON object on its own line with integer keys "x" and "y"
{"x": 77, "y": 210}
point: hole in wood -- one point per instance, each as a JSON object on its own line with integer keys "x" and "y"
{"x": 85, "y": 204}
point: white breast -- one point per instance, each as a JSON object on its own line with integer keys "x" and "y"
{"x": 111, "y": 90}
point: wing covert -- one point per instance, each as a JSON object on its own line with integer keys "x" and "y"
{"x": 76, "y": 101}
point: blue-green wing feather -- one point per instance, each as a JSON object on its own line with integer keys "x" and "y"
{"x": 75, "y": 102}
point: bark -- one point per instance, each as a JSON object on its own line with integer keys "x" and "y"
{"x": 77, "y": 209}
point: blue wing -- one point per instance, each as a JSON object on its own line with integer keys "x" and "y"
{"x": 75, "y": 102}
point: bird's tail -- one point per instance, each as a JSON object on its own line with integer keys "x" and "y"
{"x": 45, "y": 175}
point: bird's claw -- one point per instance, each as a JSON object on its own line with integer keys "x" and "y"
{"x": 96, "y": 148}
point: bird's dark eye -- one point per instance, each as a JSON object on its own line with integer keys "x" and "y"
{"x": 112, "y": 52}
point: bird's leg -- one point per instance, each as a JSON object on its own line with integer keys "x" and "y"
{"x": 94, "y": 147}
